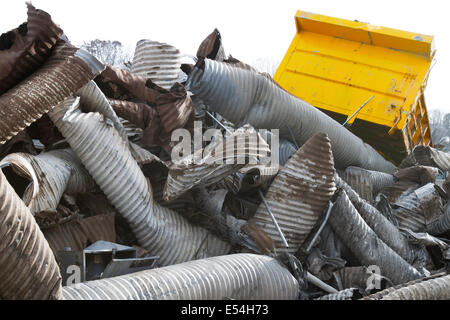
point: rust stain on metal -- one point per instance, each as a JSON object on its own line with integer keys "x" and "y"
{"x": 28, "y": 269}
{"x": 64, "y": 72}
{"x": 299, "y": 193}
{"x": 212, "y": 47}
{"x": 418, "y": 174}
{"x": 25, "y": 48}
{"x": 429, "y": 156}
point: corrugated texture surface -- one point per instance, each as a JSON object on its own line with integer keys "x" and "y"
{"x": 367, "y": 183}
{"x": 106, "y": 156}
{"x": 354, "y": 277}
{"x": 52, "y": 173}
{"x": 28, "y": 269}
{"x": 351, "y": 228}
{"x": 433, "y": 289}
{"x": 236, "y": 276}
{"x": 157, "y": 61}
{"x": 379, "y": 295}
{"x": 24, "y": 49}
{"x": 418, "y": 174}
{"x": 383, "y": 228}
{"x": 429, "y": 156}
{"x": 210, "y": 165}
{"x": 243, "y": 96}
{"x": 418, "y": 208}
{"x": 394, "y": 191}
{"x": 250, "y": 177}
{"x": 64, "y": 72}
{"x": 79, "y": 233}
{"x": 299, "y": 193}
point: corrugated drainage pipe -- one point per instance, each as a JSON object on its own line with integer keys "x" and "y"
{"x": 105, "y": 154}
{"x": 236, "y": 276}
{"x": 365, "y": 244}
{"x": 243, "y": 96}
{"x": 384, "y": 229}
{"x": 28, "y": 269}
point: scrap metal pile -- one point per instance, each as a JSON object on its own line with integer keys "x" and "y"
{"x": 104, "y": 195}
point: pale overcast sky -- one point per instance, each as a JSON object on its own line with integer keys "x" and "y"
{"x": 251, "y": 30}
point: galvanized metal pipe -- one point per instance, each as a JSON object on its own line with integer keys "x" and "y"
{"x": 105, "y": 154}
{"x": 366, "y": 245}
{"x": 235, "y": 276}
{"x": 28, "y": 269}
{"x": 51, "y": 173}
{"x": 243, "y": 96}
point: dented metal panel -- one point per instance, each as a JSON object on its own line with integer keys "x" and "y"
{"x": 299, "y": 193}
{"x": 157, "y": 61}
{"x": 366, "y": 245}
{"x": 51, "y": 174}
{"x": 418, "y": 174}
{"x": 236, "y": 276}
{"x": 62, "y": 74}
{"x": 25, "y": 48}
{"x": 28, "y": 269}
{"x": 106, "y": 156}
{"x": 242, "y": 96}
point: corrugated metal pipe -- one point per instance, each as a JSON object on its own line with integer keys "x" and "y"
{"x": 28, "y": 269}
{"x": 235, "y": 276}
{"x": 244, "y": 96}
{"x": 383, "y": 228}
{"x": 365, "y": 244}
{"x": 442, "y": 224}
{"x": 105, "y": 154}
{"x": 436, "y": 288}
{"x": 51, "y": 173}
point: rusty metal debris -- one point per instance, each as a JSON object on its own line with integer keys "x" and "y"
{"x": 223, "y": 186}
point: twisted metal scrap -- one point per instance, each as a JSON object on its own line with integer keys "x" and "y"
{"x": 52, "y": 173}
{"x": 433, "y": 288}
{"x": 105, "y": 154}
{"x": 299, "y": 193}
{"x": 417, "y": 209}
{"x": 28, "y": 269}
{"x": 418, "y": 174}
{"x": 25, "y": 48}
{"x": 366, "y": 245}
{"x": 64, "y": 72}
{"x": 218, "y": 160}
{"x": 429, "y": 156}
{"x": 367, "y": 183}
{"x": 383, "y": 228}
{"x": 236, "y": 276}
{"x": 212, "y": 47}
{"x": 244, "y": 96}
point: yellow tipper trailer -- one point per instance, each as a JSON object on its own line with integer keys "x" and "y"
{"x": 342, "y": 66}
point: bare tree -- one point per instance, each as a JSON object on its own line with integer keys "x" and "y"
{"x": 440, "y": 128}
{"x": 110, "y": 52}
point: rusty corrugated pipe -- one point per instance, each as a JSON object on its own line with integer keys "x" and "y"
{"x": 235, "y": 276}
{"x": 63, "y": 73}
{"x": 105, "y": 154}
{"x": 435, "y": 288}
{"x": 366, "y": 245}
{"x": 52, "y": 173}
{"x": 299, "y": 193}
{"x": 28, "y": 269}
{"x": 243, "y": 96}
